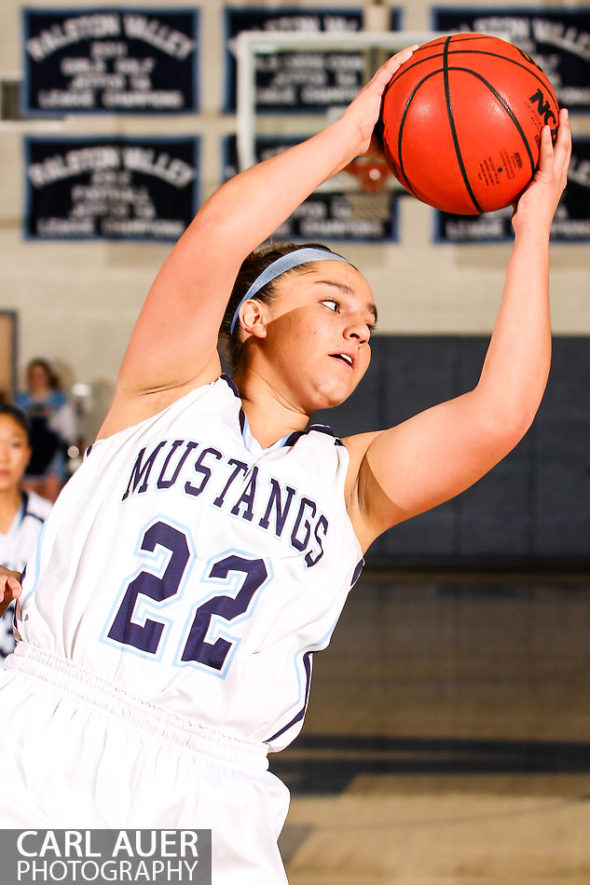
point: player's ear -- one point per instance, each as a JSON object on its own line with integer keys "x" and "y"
{"x": 253, "y": 318}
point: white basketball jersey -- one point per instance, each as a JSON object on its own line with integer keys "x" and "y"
{"x": 16, "y": 547}
{"x": 196, "y": 569}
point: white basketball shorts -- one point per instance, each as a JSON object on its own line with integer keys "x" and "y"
{"x": 77, "y": 752}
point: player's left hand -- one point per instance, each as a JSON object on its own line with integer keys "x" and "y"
{"x": 537, "y": 204}
{"x": 10, "y": 588}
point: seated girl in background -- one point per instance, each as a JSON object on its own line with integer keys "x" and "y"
{"x": 52, "y": 428}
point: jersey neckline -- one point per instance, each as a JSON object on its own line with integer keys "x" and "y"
{"x": 289, "y": 439}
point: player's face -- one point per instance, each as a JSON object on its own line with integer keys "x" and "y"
{"x": 318, "y": 334}
{"x": 14, "y": 452}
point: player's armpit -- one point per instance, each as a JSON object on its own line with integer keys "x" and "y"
{"x": 425, "y": 461}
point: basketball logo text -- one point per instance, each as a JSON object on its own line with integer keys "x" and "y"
{"x": 544, "y": 110}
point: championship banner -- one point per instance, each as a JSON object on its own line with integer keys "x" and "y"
{"x": 117, "y": 61}
{"x": 351, "y": 216}
{"x": 570, "y": 225}
{"x": 557, "y": 39}
{"x": 572, "y": 220}
{"x": 110, "y": 188}
{"x": 299, "y": 82}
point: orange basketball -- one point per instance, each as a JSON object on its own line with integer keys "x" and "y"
{"x": 461, "y": 122}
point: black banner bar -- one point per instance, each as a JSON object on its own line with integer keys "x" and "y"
{"x": 308, "y": 81}
{"x": 117, "y": 61}
{"x": 113, "y": 188}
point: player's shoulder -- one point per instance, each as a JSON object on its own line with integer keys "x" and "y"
{"x": 22, "y": 399}
{"x": 131, "y": 408}
{"x": 356, "y": 446}
{"x": 57, "y": 398}
{"x": 36, "y": 506}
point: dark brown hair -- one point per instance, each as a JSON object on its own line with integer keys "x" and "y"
{"x": 52, "y": 378}
{"x": 251, "y": 268}
{"x": 17, "y": 415}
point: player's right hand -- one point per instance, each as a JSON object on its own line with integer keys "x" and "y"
{"x": 363, "y": 111}
{"x": 10, "y": 588}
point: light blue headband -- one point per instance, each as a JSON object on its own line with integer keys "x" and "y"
{"x": 282, "y": 265}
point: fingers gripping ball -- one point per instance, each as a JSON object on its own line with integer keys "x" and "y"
{"x": 461, "y": 122}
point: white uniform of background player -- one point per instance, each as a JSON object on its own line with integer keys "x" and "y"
{"x": 16, "y": 547}
{"x": 206, "y": 529}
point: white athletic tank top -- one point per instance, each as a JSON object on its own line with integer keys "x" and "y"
{"x": 194, "y": 568}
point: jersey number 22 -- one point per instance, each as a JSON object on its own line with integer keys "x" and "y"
{"x": 146, "y": 637}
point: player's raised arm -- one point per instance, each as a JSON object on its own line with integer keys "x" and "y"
{"x": 173, "y": 346}
{"x": 433, "y": 456}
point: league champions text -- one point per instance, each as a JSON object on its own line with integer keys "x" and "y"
{"x": 105, "y": 856}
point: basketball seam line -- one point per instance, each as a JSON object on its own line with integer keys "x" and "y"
{"x": 540, "y": 77}
{"x": 400, "y": 139}
{"x": 454, "y": 131}
{"x": 506, "y": 107}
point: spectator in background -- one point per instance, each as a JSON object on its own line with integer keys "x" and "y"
{"x": 21, "y": 513}
{"x": 52, "y": 429}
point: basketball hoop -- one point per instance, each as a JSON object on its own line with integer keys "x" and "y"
{"x": 371, "y": 172}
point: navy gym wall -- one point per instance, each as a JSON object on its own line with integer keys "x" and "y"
{"x": 534, "y": 507}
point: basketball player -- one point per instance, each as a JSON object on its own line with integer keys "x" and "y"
{"x": 22, "y": 513}
{"x": 206, "y": 546}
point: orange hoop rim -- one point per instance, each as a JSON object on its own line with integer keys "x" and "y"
{"x": 371, "y": 172}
